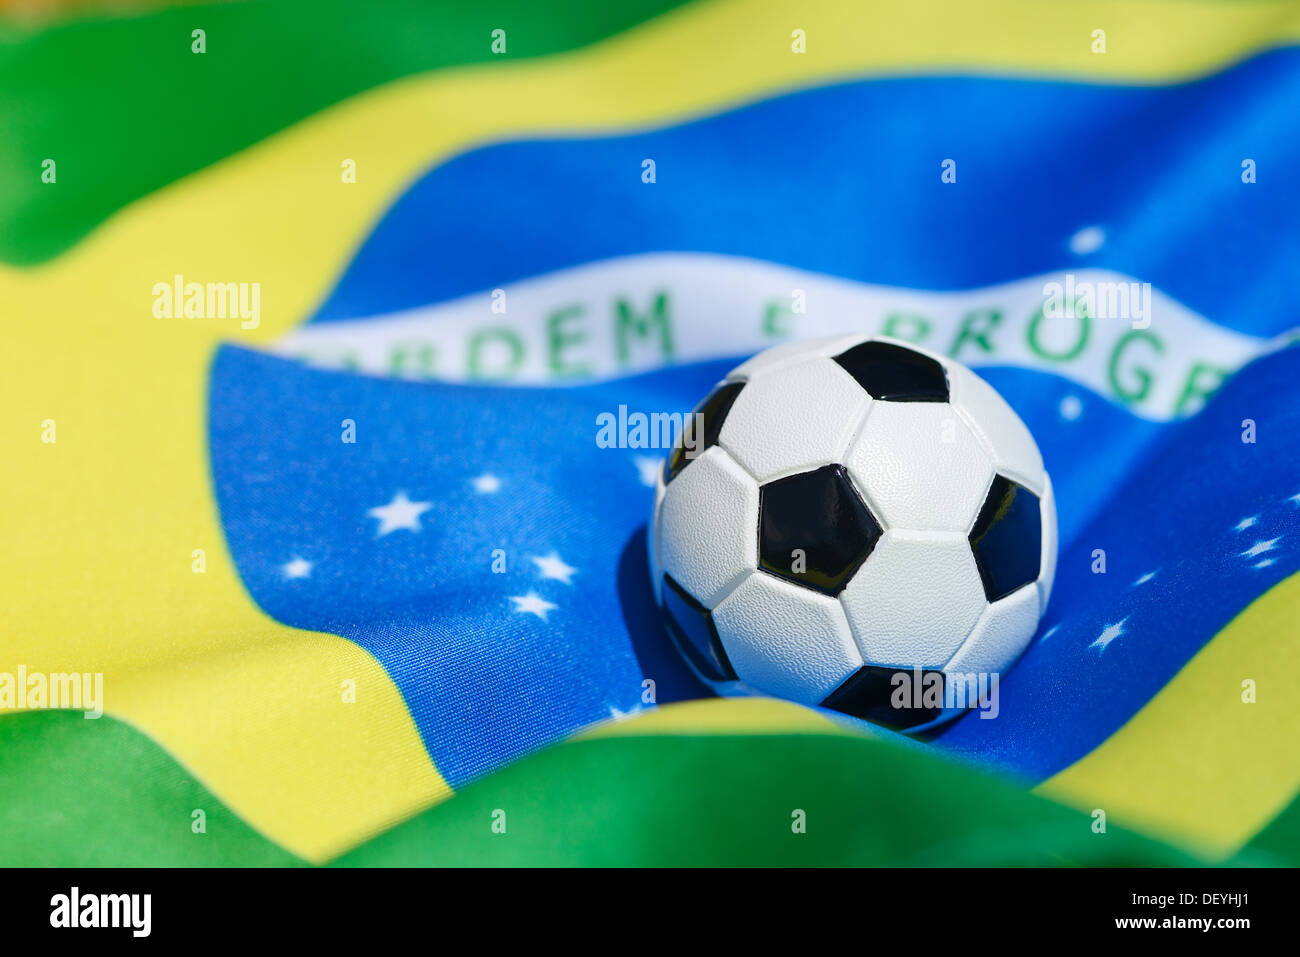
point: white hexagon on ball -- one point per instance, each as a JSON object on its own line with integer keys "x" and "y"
{"x": 706, "y": 523}
{"x": 787, "y": 640}
{"x": 793, "y": 417}
{"x": 921, "y": 466}
{"x": 915, "y": 600}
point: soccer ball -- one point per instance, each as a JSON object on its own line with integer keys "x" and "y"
{"x": 846, "y": 515}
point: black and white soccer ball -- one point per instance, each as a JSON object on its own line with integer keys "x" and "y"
{"x": 852, "y": 510}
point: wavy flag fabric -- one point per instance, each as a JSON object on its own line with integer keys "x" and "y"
{"x": 355, "y": 572}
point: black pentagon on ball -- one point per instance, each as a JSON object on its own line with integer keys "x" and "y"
{"x": 895, "y": 373}
{"x": 1007, "y": 538}
{"x": 872, "y": 693}
{"x": 710, "y": 413}
{"x": 814, "y": 530}
{"x": 694, "y": 634}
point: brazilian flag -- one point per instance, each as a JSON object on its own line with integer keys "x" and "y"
{"x": 309, "y": 311}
